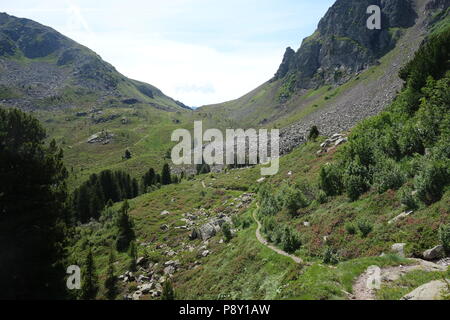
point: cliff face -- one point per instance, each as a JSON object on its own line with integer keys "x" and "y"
{"x": 343, "y": 45}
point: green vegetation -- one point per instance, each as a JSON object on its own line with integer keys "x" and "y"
{"x": 33, "y": 210}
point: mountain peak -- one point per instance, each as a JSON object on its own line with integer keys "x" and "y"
{"x": 343, "y": 45}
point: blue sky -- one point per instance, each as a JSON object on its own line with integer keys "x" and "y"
{"x": 197, "y": 51}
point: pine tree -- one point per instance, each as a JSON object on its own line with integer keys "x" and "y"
{"x": 33, "y": 211}
{"x": 126, "y": 232}
{"x": 165, "y": 175}
{"x": 111, "y": 279}
{"x": 313, "y": 133}
{"x": 89, "y": 287}
{"x": 133, "y": 256}
{"x": 168, "y": 293}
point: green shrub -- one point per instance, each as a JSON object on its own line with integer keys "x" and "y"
{"x": 330, "y": 256}
{"x": 350, "y": 228}
{"x": 389, "y": 176}
{"x": 431, "y": 181}
{"x": 330, "y": 180}
{"x": 290, "y": 239}
{"x": 407, "y": 199}
{"x": 321, "y": 197}
{"x": 313, "y": 133}
{"x": 269, "y": 205}
{"x": 355, "y": 179}
{"x": 444, "y": 236}
{"x": 294, "y": 200}
{"x": 226, "y": 230}
{"x": 365, "y": 227}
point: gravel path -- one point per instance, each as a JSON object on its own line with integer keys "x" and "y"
{"x": 271, "y": 247}
{"x": 362, "y": 287}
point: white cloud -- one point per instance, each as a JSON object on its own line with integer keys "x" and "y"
{"x": 199, "y": 52}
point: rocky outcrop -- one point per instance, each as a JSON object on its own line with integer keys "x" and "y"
{"x": 434, "y": 290}
{"x": 434, "y": 253}
{"x": 343, "y": 45}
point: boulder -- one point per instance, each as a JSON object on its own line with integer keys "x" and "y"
{"x": 207, "y": 231}
{"x": 169, "y": 270}
{"x": 165, "y": 213}
{"x": 205, "y": 253}
{"x": 146, "y": 287}
{"x": 434, "y": 290}
{"x": 434, "y": 253}
{"x": 399, "y": 249}
{"x": 164, "y": 227}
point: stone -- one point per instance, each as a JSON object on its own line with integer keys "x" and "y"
{"x": 399, "y": 249}
{"x": 137, "y": 295}
{"x": 434, "y": 290}
{"x": 146, "y": 287}
{"x": 207, "y": 231}
{"x": 165, "y": 213}
{"x": 306, "y": 224}
{"x": 205, "y": 253}
{"x": 169, "y": 270}
{"x": 400, "y": 216}
{"x": 164, "y": 227}
{"x": 140, "y": 261}
{"x": 261, "y": 180}
{"x": 434, "y": 253}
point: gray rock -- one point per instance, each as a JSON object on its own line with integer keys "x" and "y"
{"x": 205, "y": 253}
{"x": 434, "y": 290}
{"x": 434, "y": 253}
{"x": 399, "y": 249}
{"x": 169, "y": 270}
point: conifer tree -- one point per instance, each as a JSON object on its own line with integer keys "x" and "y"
{"x": 165, "y": 175}
{"x": 111, "y": 279}
{"x": 89, "y": 287}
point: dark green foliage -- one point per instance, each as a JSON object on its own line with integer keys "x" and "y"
{"x": 89, "y": 285}
{"x": 410, "y": 139}
{"x": 126, "y": 231}
{"x": 330, "y": 256}
{"x": 127, "y": 154}
{"x": 111, "y": 279}
{"x": 430, "y": 182}
{"x": 365, "y": 227}
{"x": 294, "y": 200}
{"x": 350, "y": 228}
{"x": 313, "y": 133}
{"x": 282, "y": 235}
{"x": 149, "y": 178}
{"x": 407, "y": 198}
{"x": 388, "y": 176}
{"x": 290, "y": 240}
{"x": 166, "y": 178}
{"x": 93, "y": 195}
{"x": 168, "y": 292}
{"x": 133, "y": 256}
{"x": 432, "y": 59}
{"x": 226, "y": 230}
{"x": 33, "y": 211}
{"x": 444, "y": 236}
{"x": 330, "y": 180}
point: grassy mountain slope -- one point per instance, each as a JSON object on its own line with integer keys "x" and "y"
{"x": 393, "y": 162}
{"x": 76, "y": 94}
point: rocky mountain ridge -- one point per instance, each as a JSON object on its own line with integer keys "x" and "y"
{"x": 41, "y": 66}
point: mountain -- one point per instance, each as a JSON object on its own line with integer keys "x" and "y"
{"x": 41, "y": 67}
{"x": 88, "y": 107}
{"x": 341, "y": 74}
